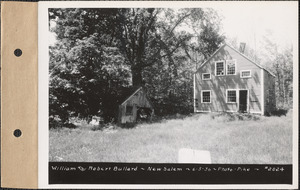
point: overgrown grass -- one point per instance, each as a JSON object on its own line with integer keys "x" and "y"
{"x": 230, "y": 138}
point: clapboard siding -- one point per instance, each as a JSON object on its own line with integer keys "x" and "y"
{"x": 137, "y": 100}
{"x": 219, "y": 84}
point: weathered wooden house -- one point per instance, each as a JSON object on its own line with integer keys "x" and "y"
{"x": 135, "y": 107}
{"x": 230, "y": 82}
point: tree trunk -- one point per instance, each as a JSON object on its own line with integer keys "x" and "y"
{"x": 284, "y": 91}
{"x": 137, "y": 62}
{"x": 137, "y": 78}
{"x": 279, "y": 88}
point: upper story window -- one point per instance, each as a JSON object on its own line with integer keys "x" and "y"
{"x": 246, "y": 74}
{"x": 231, "y": 67}
{"x": 220, "y": 68}
{"x": 206, "y": 76}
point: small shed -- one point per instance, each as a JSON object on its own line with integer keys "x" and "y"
{"x": 135, "y": 107}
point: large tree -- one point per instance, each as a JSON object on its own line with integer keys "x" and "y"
{"x": 98, "y": 52}
{"x": 149, "y": 35}
{"x": 86, "y": 67}
{"x": 279, "y": 60}
{"x": 185, "y": 38}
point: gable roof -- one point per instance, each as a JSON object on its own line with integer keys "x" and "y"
{"x": 132, "y": 92}
{"x": 258, "y": 65}
{"x": 128, "y": 93}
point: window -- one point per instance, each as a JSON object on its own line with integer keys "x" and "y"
{"x": 246, "y": 74}
{"x": 231, "y": 67}
{"x": 129, "y": 110}
{"x": 206, "y": 76}
{"x": 220, "y": 68}
{"x": 205, "y": 98}
{"x": 231, "y": 96}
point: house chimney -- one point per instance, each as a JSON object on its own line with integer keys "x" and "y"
{"x": 242, "y": 47}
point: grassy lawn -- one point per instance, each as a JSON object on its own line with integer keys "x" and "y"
{"x": 230, "y": 138}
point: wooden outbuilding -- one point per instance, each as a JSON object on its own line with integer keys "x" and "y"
{"x": 136, "y": 107}
{"x": 231, "y": 82}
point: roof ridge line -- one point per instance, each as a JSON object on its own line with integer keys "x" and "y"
{"x": 141, "y": 87}
{"x": 259, "y": 65}
{"x": 246, "y": 57}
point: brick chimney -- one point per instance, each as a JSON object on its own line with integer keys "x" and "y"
{"x": 242, "y": 47}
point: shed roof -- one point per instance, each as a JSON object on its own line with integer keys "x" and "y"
{"x": 130, "y": 92}
{"x": 238, "y": 53}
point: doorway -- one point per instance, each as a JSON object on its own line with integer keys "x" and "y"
{"x": 243, "y": 101}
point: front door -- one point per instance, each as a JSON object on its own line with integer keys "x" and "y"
{"x": 243, "y": 101}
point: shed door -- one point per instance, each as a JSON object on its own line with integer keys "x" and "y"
{"x": 243, "y": 100}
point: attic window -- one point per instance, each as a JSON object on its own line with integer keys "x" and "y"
{"x": 129, "y": 110}
{"x": 246, "y": 74}
{"x": 231, "y": 96}
{"x": 206, "y": 76}
{"x": 231, "y": 67}
{"x": 220, "y": 68}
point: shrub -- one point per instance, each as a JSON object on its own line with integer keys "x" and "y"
{"x": 279, "y": 112}
{"x": 103, "y": 126}
{"x": 228, "y": 117}
{"x": 57, "y": 123}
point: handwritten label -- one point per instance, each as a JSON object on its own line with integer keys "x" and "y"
{"x": 165, "y": 169}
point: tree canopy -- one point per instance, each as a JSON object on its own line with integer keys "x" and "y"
{"x": 99, "y": 53}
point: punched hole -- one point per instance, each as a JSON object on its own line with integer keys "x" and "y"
{"x": 18, "y": 52}
{"x": 17, "y": 133}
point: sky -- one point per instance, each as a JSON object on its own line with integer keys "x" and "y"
{"x": 249, "y": 23}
